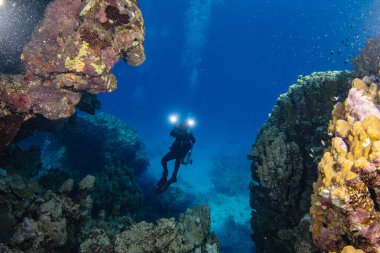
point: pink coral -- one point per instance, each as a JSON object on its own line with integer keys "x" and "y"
{"x": 21, "y": 102}
{"x": 72, "y": 52}
{"x": 361, "y": 106}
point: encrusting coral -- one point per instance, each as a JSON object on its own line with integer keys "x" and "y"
{"x": 345, "y": 203}
{"x": 35, "y": 220}
{"x": 367, "y": 62}
{"x": 71, "y": 52}
{"x": 286, "y": 149}
{"x": 189, "y": 234}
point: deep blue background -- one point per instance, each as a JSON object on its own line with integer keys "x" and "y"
{"x": 250, "y": 52}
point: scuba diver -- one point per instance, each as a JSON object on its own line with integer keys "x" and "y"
{"x": 180, "y": 151}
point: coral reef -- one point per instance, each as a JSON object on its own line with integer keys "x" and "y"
{"x": 105, "y": 143}
{"x": 37, "y": 220}
{"x": 34, "y": 220}
{"x": 345, "y": 203}
{"x": 100, "y": 145}
{"x": 116, "y": 192}
{"x": 286, "y": 149}
{"x": 109, "y": 150}
{"x": 189, "y": 234}
{"x": 71, "y": 52}
{"x": 367, "y": 63}
{"x": 15, "y": 193}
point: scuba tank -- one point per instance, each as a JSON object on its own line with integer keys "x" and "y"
{"x": 187, "y": 159}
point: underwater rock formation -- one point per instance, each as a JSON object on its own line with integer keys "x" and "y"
{"x": 105, "y": 142}
{"x": 108, "y": 149}
{"x": 71, "y": 52}
{"x": 15, "y": 194}
{"x": 345, "y": 203}
{"x": 367, "y": 63}
{"x": 36, "y": 220}
{"x": 190, "y": 234}
{"x": 286, "y": 150}
{"x": 100, "y": 145}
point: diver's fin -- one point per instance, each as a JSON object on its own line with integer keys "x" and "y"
{"x": 161, "y": 184}
{"x": 167, "y": 185}
{"x": 162, "y": 181}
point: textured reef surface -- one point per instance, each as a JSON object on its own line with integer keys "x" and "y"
{"x": 303, "y": 148}
{"x": 367, "y": 62}
{"x": 285, "y": 156}
{"x": 78, "y": 188}
{"x": 345, "y": 203}
{"x": 71, "y": 52}
{"x": 34, "y": 220}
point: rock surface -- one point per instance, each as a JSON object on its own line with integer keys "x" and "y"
{"x": 71, "y": 52}
{"x": 286, "y": 150}
{"x": 345, "y": 203}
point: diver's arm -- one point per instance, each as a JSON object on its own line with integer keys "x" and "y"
{"x": 174, "y": 132}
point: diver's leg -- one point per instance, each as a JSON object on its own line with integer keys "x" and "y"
{"x": 164, "y": 162}
{"x": 176, "y": 168}
{"x": 173, "y": 179}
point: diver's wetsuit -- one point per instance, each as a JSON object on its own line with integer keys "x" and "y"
{"x": 184, "y": 140}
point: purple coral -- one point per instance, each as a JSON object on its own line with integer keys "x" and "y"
{"x": 72, "y": 52}
{"x": 361, "y": 106}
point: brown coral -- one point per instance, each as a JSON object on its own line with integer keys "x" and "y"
{"x": 286, "y": 150}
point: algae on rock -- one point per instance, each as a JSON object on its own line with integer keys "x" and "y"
{"x": 284, "y": 154}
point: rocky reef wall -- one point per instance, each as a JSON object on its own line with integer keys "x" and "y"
{"x": 284, "y": 157}
{"x": 71, "y": 52}
{"x": 345, "y": 203}
{"x": 299, "y": 142}
{"x": 36, "y": 220}
{"x": 51, "y": 203}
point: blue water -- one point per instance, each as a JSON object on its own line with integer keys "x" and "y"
{"x": 226, "y": 62}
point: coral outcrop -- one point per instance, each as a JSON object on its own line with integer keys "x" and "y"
{"x": 286, "y": 150}
{"x": 100, "y": 145}
{"x": 71, "y": 52}
{"x": 36, "y": 220}
{"x": 345, "y": 203}
{"x": 105, "y": 142}
{"x": 109, "y": 150}
{"x": 367, "y": 63}
{"x": 190, "y": 234}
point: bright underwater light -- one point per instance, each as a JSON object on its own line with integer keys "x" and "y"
{"x": 190, "y": 122}
{"x": 173, "y": 118}
{"x": 2, "y": 3}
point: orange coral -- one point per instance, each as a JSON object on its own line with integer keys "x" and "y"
{"x": 342, "y": 206}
